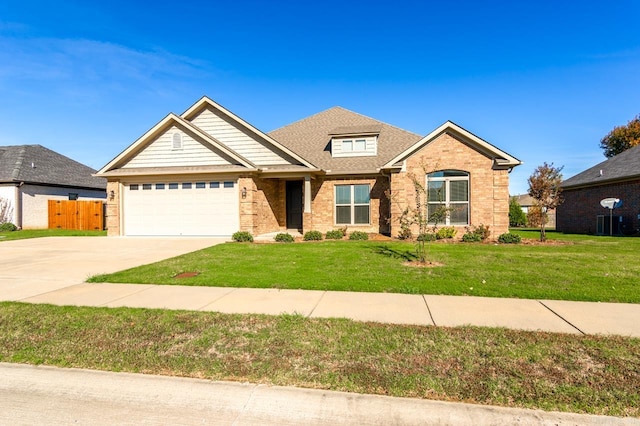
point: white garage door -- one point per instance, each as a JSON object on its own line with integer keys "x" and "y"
{"x": 188, "y": 208}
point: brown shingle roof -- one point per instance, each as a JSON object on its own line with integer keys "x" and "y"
{"x": 311, "y": 139}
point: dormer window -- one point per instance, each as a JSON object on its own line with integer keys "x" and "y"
{"x": 355, "y": 141}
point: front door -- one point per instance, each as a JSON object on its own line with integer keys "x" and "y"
{"x": 294, "y": 204}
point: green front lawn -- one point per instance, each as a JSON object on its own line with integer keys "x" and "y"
{"x": 588, "y": 374}
{"x": 575, "y": 267}
{"x": 39, "y": 233}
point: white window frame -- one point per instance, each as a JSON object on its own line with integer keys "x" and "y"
{"x": 447, "y": 201}
{"x": 352, "y": 204}
{"x": 360, "y": 146}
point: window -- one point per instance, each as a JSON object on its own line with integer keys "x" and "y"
{"x": 186, "y": 185}
{"x": 173, "y": 185}
{"x": 73, "y": 196}
{"x": 176, "y": 141}
{"x": 362, "y": 146}
{"x": 352, "y": 204}
{"x": 214, "y": 184}
{"x": 449, "y": 189}
{"x": 146, "y": 186}
{"x": 134, "y": 187}
{"x": 159, "y": 185}
{"x": 200, "y": 185}
{"x": 228, "y": 184}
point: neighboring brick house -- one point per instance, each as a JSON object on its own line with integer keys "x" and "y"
{"x": 30, "y": 175}
{"x": 208, "y": 172}
{"x": 617, "y": 177}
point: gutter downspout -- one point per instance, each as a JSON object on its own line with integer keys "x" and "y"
{"x": 18, "y": 205}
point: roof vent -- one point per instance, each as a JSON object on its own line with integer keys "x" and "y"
{"x": 601, "y": 172}
{"x": 33, "y": 165}
{"x": 177, "y": 141}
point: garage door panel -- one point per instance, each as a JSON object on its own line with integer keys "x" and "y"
{"x": 182, "y": 211}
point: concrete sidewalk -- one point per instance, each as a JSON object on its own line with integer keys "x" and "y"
{"x": 451, "y": 311}
{"x": 62, "y": 396}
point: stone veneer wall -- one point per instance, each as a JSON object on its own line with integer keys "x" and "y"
{"x": 578, "y": 212}
{"x": 489, "y": 188}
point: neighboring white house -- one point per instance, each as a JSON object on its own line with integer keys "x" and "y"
{"x": 30, "y": 175}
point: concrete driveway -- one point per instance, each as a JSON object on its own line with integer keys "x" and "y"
{"x": 40, "y": 265}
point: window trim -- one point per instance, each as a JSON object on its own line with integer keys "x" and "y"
{"x": 447, "y": 202}
{"x": 352, "y": 204}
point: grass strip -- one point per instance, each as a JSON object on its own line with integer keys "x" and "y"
{"x": 582, "y": 268}
{"x": 40, "y": 233}
{"x": 584, "y": 374}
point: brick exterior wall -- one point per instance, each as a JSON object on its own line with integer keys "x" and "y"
{"x": 113, "y": 209}
{"x": 577, "y": 214}
{"x": 323, "y": 207}
{"x": 263, "y": 209}
{"x": 488, "y": 188}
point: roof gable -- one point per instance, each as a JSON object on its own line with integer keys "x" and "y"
{"x": 240, "y": 136}
{"x": 127, "y": 158}
{"x": 501, "y": 158}
{"x": 39, "y": 165}
{"x": 623, "y": 166}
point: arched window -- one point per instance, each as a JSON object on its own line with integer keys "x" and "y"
{"x": 177, "y": 141}
{"x": 448, "y": 191}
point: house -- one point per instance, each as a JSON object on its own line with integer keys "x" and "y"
{"x": 526, "y": 201}
{"x": 617, "y": 177}
{"x": 209, "y": 172}
{"x": 30, "y": 175}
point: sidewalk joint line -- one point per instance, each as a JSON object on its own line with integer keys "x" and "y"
{"x": 562, "y": 318}
{"x": 246, "y": 404}
{"x": 232, "y": 289}
{"x": 316, "y": 305}
{"x": 429, "y": 310}
{"x": 128, "y": 295}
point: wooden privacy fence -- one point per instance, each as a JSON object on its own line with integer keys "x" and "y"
{"x": 82, "y": 215}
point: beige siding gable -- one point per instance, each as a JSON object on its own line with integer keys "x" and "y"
{"x": 236, "y": 139}
{"x": 161, "y": 152}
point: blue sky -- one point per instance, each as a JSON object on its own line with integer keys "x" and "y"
{"x": 543, "y": 80}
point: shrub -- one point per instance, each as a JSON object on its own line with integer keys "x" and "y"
{"x": 313, "y": 236}
{"x": 471, "y": 237}
{"x": 336, "y": 234}
{"x": 242, "y": 237}
{"x": 284, "y": 238}
{"x": 478, "y": 233}
{"x": 446, "y": 232}
{"x": 509, "y": 238}
{"x": 359, "y": 235}
{"x": 426, "y": 237}
{"x": 8, "y": 227}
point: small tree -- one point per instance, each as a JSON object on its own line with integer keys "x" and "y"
{"x": 419, "y": 215}
{"x": 621, "y": 138}
{"x": 6, "y": 211}
{"x": 516, "y": 215}
{"x": 544, "y": 188}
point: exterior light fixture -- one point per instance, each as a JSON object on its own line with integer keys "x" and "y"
{"x": 112, "y": 195}
{"x": 244, "y": 192}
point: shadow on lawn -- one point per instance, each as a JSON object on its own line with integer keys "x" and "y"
{"x": 394, "y": 253}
